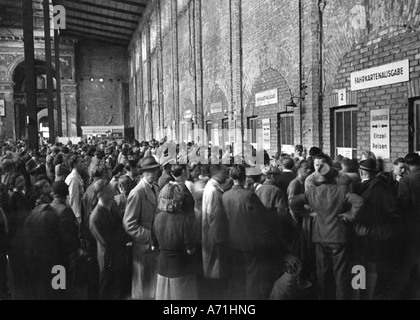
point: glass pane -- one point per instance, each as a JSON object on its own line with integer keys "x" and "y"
{"x": 347, "y": 129}
{"x": 289, "y": 131}
{"x": 354, "y": 130}
{"x": 292, "y": 131}
{"x": 339, "y": 134}
{"x": 283, "y": 131}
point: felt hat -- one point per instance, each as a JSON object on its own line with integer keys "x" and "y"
{"x": 369, "y": 165}
{"x": 148, "y": 163}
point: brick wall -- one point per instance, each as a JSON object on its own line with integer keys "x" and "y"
{"x": 100, "y": 103}
{"x": 249, "y": 46}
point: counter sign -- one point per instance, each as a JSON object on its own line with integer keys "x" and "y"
{"x": 380, "y": 133}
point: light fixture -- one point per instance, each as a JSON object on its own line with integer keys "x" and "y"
{"x": 291, "y": 103}
{"x": 101, "y": 80}
{"x": 91, "y": 79}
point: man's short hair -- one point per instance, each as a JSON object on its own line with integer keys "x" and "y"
{"x": 299, "y": 148}
{"x": 288, "y": 163}
{"x": 324, "y": 157}
{"x": 176, "y": 169}
{"x": 238, "y": 172}
{"x": 304, "y": 165}
{"x": 399, "y": 161}
{"x": 412, "y": 159}
{"x": 314, "y": 151}
{"x": 216, "y": 168}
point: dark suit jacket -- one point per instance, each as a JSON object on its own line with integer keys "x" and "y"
{"x": 67, "y": 228}
{"x": 106, "y": 227}
{"x": 409, "y": 195}
{"x": 248, "y": 220}
{"x": 285, "y": 179}
{"x": 380, "y": 207}
{"x": 165, "y": 179}
{"x": 329, "y": 202}
{"x": 273, "y": 198}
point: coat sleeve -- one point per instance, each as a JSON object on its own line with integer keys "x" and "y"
{"x": 131, "y": 219}
{"x": 99, "y": 231}
{"x": 297, "y": 204}
{"x": 356, "y": 203}
{"x": 68, "y": 231}
{"x": 74, "y": 198}
{"x": 404, "y": 198}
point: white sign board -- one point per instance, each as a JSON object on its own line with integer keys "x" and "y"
{"x": 380, "y": 133}
{"x": 216, "y": 107}
{"x": 2, "y": 108}
{"x": 266, "y": 98}
{"x": 266, "y": 134}
{"x": 342, "y": 97}
{"x": 287, "y": 149}
{"x": 396, "y": 72}
{"x": 345, "y": 152}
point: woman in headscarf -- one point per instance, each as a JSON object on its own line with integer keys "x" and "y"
{"x": 174, "y": 236}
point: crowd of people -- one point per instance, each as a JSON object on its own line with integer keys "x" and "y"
{"x": 132, "y": 221}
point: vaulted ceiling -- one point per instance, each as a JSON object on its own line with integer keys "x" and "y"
{"x": 111, "y": 21}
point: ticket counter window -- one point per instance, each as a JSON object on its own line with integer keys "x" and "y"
{"x": 345, "y": 132}
{"x": 252, "y": 127}
{"x": 286, "y": 131}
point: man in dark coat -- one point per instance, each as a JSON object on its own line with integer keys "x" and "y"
{"x": 333, "y": 206}
{"x": 287, "y": 175}
{"x": 248, "y": 239}
{"x": 106, "y": 227}
{"x": 52, "y": 237}
{"x": 4, "y": 230}
{"x": 276, "y": 202}
{"x": 89, "y": 201}
{"x": 394, "y": 177}
{"x": 379, "y": 214}
{"x": 409, "y": 201}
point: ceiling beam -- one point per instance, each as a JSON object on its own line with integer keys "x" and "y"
{"x": 99, "y": 33}
{"x": 100, "y": 6}
{"x": 88, "y": 28}
{"x": 84, "y": 35}
{"x": 94, "y": 14}
{"x": 99, "y": 22}
{"x": 131, "y": 3}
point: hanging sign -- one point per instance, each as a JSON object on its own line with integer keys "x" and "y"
{"x": 380, "y": 133}
{"x": 266, "y": 134}
{"x": 396, "y": 72}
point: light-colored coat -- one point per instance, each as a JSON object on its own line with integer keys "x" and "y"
{"x": 214, "y": 232}
{"x": 76, "y": 191}
{"x": 138, "y": 219}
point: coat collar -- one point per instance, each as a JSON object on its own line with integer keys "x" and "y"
{"x": 150, "y": 194}
{"x": 216, "y": 185}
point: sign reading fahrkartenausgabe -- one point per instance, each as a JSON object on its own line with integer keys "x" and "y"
{"x": 392, "y": 73}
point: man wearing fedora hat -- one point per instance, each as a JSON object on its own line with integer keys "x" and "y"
{"x": 138, "y": 220}
{"x": 378, "y": 215}
{"x": 333, "y": 206}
